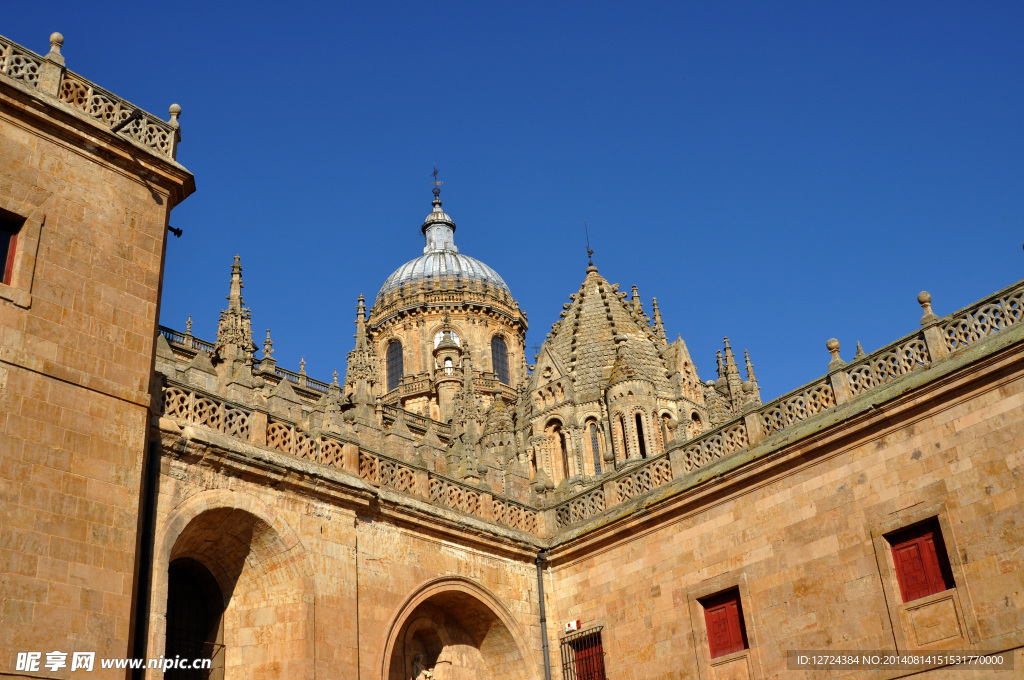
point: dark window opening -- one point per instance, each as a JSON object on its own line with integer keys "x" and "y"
{"x": 595, "y": 448}
{"x": 640, "y": 436}
{"x": 583, "y": 655}
{"x": 723, "y": 615}
{"x": 10, "y": 226}
{"x": 195, "y": 609}
{"x": 625, "y": 436}
{"x": 499, "y": 359}
{"x": 394, "y": 364}
{"x": 922, "y": 564}
{"x": 565, "y": 454}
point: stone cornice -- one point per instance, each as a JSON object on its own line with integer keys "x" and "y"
{"x": 79, "y": 132}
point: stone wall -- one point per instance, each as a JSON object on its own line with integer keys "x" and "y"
{"x": 331, "y": 577}
{"x": 802, "y": 535}
{"x": 77, "y": 332}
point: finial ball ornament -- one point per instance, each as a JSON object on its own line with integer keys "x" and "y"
{"x": 56, "y": 39}
{"x": 832, "y": 345}
{"x": 924, "y": 298}
{"x": 175, "y": 110}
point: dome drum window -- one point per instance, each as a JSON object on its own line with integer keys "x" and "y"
{"x": 499, "y": 359}
{"x": 394, "y": 364}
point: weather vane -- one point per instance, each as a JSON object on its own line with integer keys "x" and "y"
{"x": 437, "y": 183}
{"x": 590, "y": 252}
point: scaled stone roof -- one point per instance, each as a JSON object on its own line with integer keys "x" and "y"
{"x": 584, "y": 340}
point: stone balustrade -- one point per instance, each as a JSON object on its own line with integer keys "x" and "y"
{"x": 938, "y": 338}
{"x": 187, "y": 405}
{"x": 846, "y": 381}
{"x": 48, "y": 75}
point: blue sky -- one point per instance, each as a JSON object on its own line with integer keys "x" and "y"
{"x": 780, "y": 173}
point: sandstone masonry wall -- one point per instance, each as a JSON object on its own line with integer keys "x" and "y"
{"x": 802, "y": 536}
{"x": 77, "y": 329}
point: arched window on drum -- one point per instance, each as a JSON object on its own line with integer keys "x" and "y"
{"x": 499, "y": 359}
{"x": 595, "y": 447}
{"x": 394, "y": 364}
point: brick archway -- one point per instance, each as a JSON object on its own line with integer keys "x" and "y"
{"x": 477, "y": 635}
{"x": 259, "y": 564}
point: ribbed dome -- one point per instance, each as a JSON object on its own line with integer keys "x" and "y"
{"x": 441, "y": 258}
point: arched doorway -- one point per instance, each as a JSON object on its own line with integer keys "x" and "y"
{"x": 453, "y": 629}
{"x": 224, "y": 551}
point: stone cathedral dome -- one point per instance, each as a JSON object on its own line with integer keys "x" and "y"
{"x": 441, "y": 258}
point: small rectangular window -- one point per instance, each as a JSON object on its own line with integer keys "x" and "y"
{"x": 10, "y": 225}
{"x": 723, "y": 615}
{"x": 922, "y": 565}
{"x": 583, "y": 655}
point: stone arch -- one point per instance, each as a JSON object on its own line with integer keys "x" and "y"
{"x": 394, "y": 363}
{"x": 592, "y": 438}
{"x": 470, "y": 630}
{"x": 696, "y": 425}
{"x": 559, "y": 448}
{"x": 263, "y": 573}
{"x": 666, "y": 423}
{"x": 642, "y": 435}
{"x": 621, "y": 435}
{"x": 499, "y": 356}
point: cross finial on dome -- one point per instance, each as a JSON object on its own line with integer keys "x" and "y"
{"x": 437, "y": 185}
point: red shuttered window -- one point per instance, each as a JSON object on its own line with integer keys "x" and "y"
{"x": 922, "y": 565}
{"x": 10, "y": 225}
{"x": 723, "y": 615}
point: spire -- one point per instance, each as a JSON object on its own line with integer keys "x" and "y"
{"x": 732, "y": 372}
{"x": 268, "y": 347}
{"x": 361, "y": 371}
{"x": 234, "y": 330}
{"x": 268, "y": 364}
{"x": 751, "y": 392}
{"x": 235, "y": 294}
{"x": 659, "y": 327}
{"x": 466, "y": 409}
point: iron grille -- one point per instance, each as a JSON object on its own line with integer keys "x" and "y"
{"x": 583, "y": 655}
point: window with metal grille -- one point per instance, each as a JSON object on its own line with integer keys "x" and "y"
{"x": 723, "y": 615}
{"x": 922, "y": 564}
{"x": 583, "y": 655}
{"x": 595, "y": 448}
{"x": 499, "y": 359}
{"x": 10, "y": 225}
{"x": 394, "y": 364}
